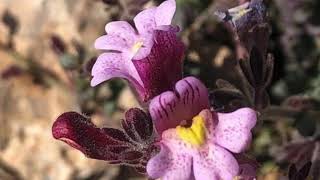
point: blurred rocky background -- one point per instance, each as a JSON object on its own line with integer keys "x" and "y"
{"x": 46, "y": 53}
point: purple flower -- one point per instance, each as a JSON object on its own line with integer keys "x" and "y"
{"x": 149, "y": 58}
{"x": 132, "y": 147}
{"x": 197, "y": 143}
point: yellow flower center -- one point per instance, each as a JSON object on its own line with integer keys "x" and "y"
{"x": 196, "y": 134}
{"x": 135, "y": 48}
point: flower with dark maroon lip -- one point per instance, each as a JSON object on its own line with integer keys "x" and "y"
{"x": 150, "y": 58}
{"x": 131, "y": 146}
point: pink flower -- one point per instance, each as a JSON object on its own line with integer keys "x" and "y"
{"x": 197, "y": 143}
{"x": 149, "y": 58}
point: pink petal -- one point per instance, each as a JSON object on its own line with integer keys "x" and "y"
{"x": 170, "y": 165}
{"x": 111, "y": 42}
{"x": 112, "y": 65}
{"x": 165, "y": 12}
{"x": 211, "y": 122}
{"x": 234, "y": 129}
{"x": 214, "y": 163}
{"x": 175, "y": 143}
{"x": 145, "y": 21}
{"x": 170, "y": 108}
{"x": 162, "y": 68}
{"x": 108, "y": 74}
{"x": 158, "y": 165}
{"x": 122, "y": 29}
{"x": 108, "y": 61}
{"x": 149, "y": 19}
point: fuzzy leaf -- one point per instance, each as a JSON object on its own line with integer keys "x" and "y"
{"x": 138, "y": 125}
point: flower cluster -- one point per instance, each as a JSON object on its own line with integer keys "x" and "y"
{"x": 179, "y": 136}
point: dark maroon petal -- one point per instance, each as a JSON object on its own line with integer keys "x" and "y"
{"x": 77, "y": 131}
{"x": 162, "y": 68}
{"x": 138, "y": 125}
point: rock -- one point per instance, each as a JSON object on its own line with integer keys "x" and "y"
{"x": 27, "y": 113}
{"x": 74, "y": 21}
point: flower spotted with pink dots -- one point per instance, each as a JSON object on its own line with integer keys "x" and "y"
{"x": 197, "y": 143}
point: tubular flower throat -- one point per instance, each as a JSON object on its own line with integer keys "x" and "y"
{"x": 196, "y": 134}
{"x": 135, "y": 48}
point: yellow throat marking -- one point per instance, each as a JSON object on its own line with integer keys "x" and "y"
{"x": 135, "y": 48}
{"x": 196, "y": 134}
